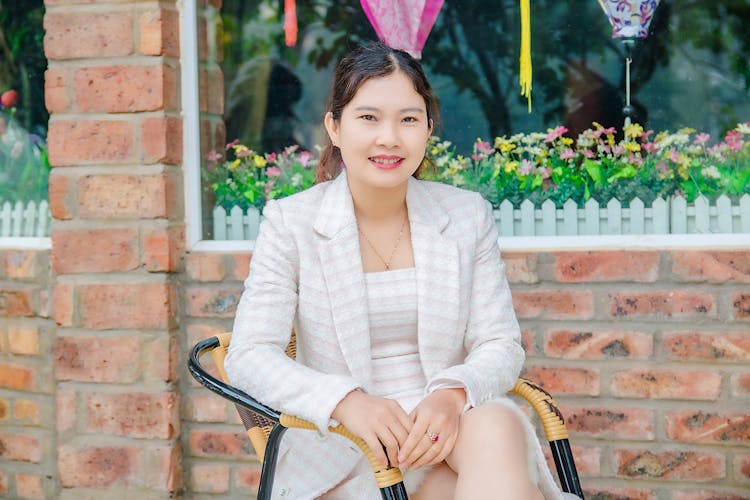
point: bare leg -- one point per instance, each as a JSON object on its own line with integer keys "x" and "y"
{"x": 490, "y": 456}
{"x": 438, "y": 484}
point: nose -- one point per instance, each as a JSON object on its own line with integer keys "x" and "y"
{"x": 388, "y": 135}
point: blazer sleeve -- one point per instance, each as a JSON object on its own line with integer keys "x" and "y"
{"x": 492, "y": 340}
{"x": 256, "y": 362}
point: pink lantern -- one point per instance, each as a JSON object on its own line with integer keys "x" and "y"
{"x": 403, "y": 24}
{"x": 629, "y": 18}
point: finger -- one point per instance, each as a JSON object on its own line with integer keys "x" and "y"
{"x": 377, "y": 449}
{"x": 422, "y": 447}
{"x": 390, "y": 443}
{"x": 429, "y": 455}
{"x": 450, "y": 442}
{"x": 417, "y": 433}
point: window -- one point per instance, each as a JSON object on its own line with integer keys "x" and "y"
{"x": 24, "y": 168}
{"x": 273, "y": 94}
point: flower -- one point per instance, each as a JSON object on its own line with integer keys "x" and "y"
{"x": 9, "y": 98}
{"x": 554, "y": 133}
{"x": 567, "y": 154}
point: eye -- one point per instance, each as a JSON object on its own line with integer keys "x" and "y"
{"x": 410, "y": 119}
{"x": 368, "y": 118}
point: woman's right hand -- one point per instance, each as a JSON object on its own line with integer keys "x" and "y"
{"x": 380, "y": 422}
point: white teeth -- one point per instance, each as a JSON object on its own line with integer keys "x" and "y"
{"x": 386, "y": 161}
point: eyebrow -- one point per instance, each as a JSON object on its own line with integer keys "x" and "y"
{"x": 404, "y": 110}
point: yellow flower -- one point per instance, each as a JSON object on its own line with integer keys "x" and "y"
{"x": 567, "y": 141}
{"x": 259, "y": 161}
{"x": 239, "y": 148}
{"x": 633, "y": 130}
{"x": 686, "y": 130}
{"x": 632, "y": 147}
{"x": 234, "y": 164}
{"x": 611, "y": 140}
{"x": 507, "y": 147}
{"x": 510, "y": 166}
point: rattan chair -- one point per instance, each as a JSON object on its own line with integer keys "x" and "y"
{"x": 265, "y": 426}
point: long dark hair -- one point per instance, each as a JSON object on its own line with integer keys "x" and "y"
{"x": 371, "y": 60}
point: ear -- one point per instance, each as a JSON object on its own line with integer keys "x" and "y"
{"x": 430, "y": 128}
{"x": 332, "y": 127}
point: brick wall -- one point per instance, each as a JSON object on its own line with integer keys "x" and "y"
{"x": 646, "y": 352}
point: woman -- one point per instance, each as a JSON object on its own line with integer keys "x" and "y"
{"x": 404, "y": 320}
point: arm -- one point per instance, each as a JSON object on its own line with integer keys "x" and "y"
{"x": 256, "y": 362}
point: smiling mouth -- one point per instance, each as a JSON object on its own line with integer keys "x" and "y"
{"x": 386, "y": 163}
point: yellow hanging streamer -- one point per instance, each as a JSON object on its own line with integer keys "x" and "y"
{"x": 525, "y": 59}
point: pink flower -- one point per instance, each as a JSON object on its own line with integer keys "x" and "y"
{"x": 484, "y": 147}
{"x": 733, "y": 140}
{"x": 271, "y": 157}
{"x": 213, "y": 156}
{"x": 477, "y": 157}
{"x": 554, "y": 133}
{"x": 618, "y": 150}
{"x": 674, "y": 155}
{"x": 650, "y": 147}
{"x": 646, "y": 134}
{"x": 232, "y": 144}
{"x": 9, "y": 98}
{"x": 305, "y": 157}
{"x": 701, "y": 139}
{"x": 290, "y": 149}
{"x": 588, "y": 153}
{"x": 545, "y": 172}
{"x": 567, "y": 154}
{"x": 273, "y": 171}
{"x": 245, "y": 153}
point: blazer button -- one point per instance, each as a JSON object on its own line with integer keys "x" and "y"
{"x": 282, "y": 492}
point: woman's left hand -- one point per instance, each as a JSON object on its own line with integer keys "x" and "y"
{"x": 437, "y": 414}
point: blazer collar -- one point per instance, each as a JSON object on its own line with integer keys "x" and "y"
{"x": 337, "y": 209}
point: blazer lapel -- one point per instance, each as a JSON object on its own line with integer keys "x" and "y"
{"x": 437, "y": 261}
{"x": 341, "y": 264}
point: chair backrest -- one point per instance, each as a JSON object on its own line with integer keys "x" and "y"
{"x": 258, "y": 427}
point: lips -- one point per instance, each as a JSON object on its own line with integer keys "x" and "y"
{"x": 388, "y": 162}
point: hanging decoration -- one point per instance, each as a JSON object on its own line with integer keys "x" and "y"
{"x": 290, "y": 23}
{"x": 525, "y": 57}
{"x": 403, "y": 24}
{"x": 630, "y": 19}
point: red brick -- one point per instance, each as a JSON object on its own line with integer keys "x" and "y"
{"x": 96, "y": 467}
{"x": 25, "y": 265}
{"x": 562, "y": 380}
{"x": 86, "y": 34}
{"x": 141, "y": 415}
{"x": 161, "y": 359}
{"x": 56, "y": 90}
{"x": 79, "y": 142}
{"x": 663, "y": 304}
{"x": 20, "y": 447}
{"x": 123, "y": 89}
{"x": 23, "y": 340}
{"x": 595, "y": 344}
{"x": 240, "y": 266}
{"x": 713, "y": 267}
{"x": 216, "y": 91}
{"x": 722, "y": 346}
{"x": 209, "y": 478}
{"x": 123, "y": 196}
{"x": 707, "y": 427}
{"x": 206, "y": 408}
{"x": 610, "y": 422}
{"x": 631, "y": 266}
{"x": 163, "y": 248}
{"x": 521, "y": 267}
{"x": 94, "y": 250}
{"x": 212, "y": 302}
{"x": 741, "y": 305}
{"x": 741, "y": 384}
{"x": 66, "y": 409}
{"x": 709, "y": 495}
{"x": 248, "y": 477}
{"x": 205, "y": 266}
{"x": 206, "y": 443}
{"x": 161, "y": 468}
{"x": 15, "y": 302}
{"x": 667, "y": 384}
{"x": 3, "y": 483}
{"x": 159, "y": 33}
{"x": 144, "y": 305}
{"x": 26, "y": 412}
{"x": 527, "y": 341}
{"x": 4, "y": 410}
{"x": 14, "y": 377}
{"x": 63, "y": 299}
{"x": 554, "y": 304}
{"x": 619, "y": 494}
{"x": 97, "y": 359}
{"x": 29, "y": 486}
{"x": 61, "y": 196}
{"x": 161, "y": 140}
{"x": 678, "y": 465}
{"x": 742, "y": 467}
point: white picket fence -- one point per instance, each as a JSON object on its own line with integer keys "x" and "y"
{"x": 31, "y": 220}
{"x": 673, "y": 216}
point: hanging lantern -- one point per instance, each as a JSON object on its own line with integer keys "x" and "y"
{"x": 403, "y": 24}
{"x": 630, "y": 19}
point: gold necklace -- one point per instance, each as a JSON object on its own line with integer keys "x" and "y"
{"x": 386, "y": 263}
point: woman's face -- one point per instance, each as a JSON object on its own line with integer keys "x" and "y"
{"x": 382, "y": 133}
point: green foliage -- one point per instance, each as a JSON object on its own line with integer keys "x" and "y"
{"x": 24, "y": 166}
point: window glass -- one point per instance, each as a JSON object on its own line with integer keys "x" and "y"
{"x": 690, "y": 72}
{"x": 24, "y": 168}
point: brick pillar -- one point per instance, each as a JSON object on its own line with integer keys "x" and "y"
{"x": 115, "y": 144}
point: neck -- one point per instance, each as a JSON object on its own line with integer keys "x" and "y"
{"x": 378, "y": 204}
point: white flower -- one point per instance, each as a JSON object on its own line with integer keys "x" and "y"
{"x": 711, "y": 172}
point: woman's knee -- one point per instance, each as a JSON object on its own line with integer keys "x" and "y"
{"x": 491, "y": 428}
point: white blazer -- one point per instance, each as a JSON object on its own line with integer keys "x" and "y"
{"x": 306, "y": 273}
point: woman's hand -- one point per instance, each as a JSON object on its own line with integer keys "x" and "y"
{"x": 437, "y": 414}
{"x": 380, "y": 422}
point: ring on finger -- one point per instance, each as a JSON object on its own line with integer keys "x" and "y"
{"x": 432, "y": 436}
